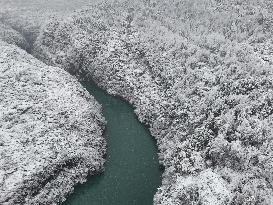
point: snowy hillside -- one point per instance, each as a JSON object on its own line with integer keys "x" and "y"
{"x": 199, "y": 73}
{"x": 50, "y": 131}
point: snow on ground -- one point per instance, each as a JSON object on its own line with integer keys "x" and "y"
{"x": 199, "y": 73}
{"x": 50, "y": 131}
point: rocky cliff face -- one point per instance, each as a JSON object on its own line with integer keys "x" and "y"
{"x": 196, "y": 74}
{"x": 50, "y": 131}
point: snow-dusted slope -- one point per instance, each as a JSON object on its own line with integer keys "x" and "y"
{"x": 199, "y": 73}
{"x": 50, "y": 131}
{"x": 26, "y": 17}
{"x": 9, "y": 35}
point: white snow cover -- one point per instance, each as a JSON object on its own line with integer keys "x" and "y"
{"x": 199, "y": 73}
{"x": 50, "y": 131}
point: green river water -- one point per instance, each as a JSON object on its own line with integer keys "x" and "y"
{"x": 132, "y": 174}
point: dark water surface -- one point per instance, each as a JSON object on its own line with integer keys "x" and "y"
{"x": 132, "y": 172}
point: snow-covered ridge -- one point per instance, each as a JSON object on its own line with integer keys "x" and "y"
{"x": 50, "y": 131}
{"x": 199, "y": 73}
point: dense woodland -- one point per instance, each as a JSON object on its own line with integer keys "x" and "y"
{"x": 199, "y": 73}
{"x": 51, "y": 129}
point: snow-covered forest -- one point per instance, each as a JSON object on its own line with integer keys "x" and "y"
{"x": 50, "y": 127}
{"x": 198, "y": 72}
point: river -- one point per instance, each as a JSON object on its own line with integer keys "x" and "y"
{"x": 132, "y": 174}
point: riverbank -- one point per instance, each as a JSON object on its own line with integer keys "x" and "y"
{"x": 50, "y": 131}
{"x": 132, "y": 173}
{"x": 198, "y": 73}
{"x": 200, "y": 82}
